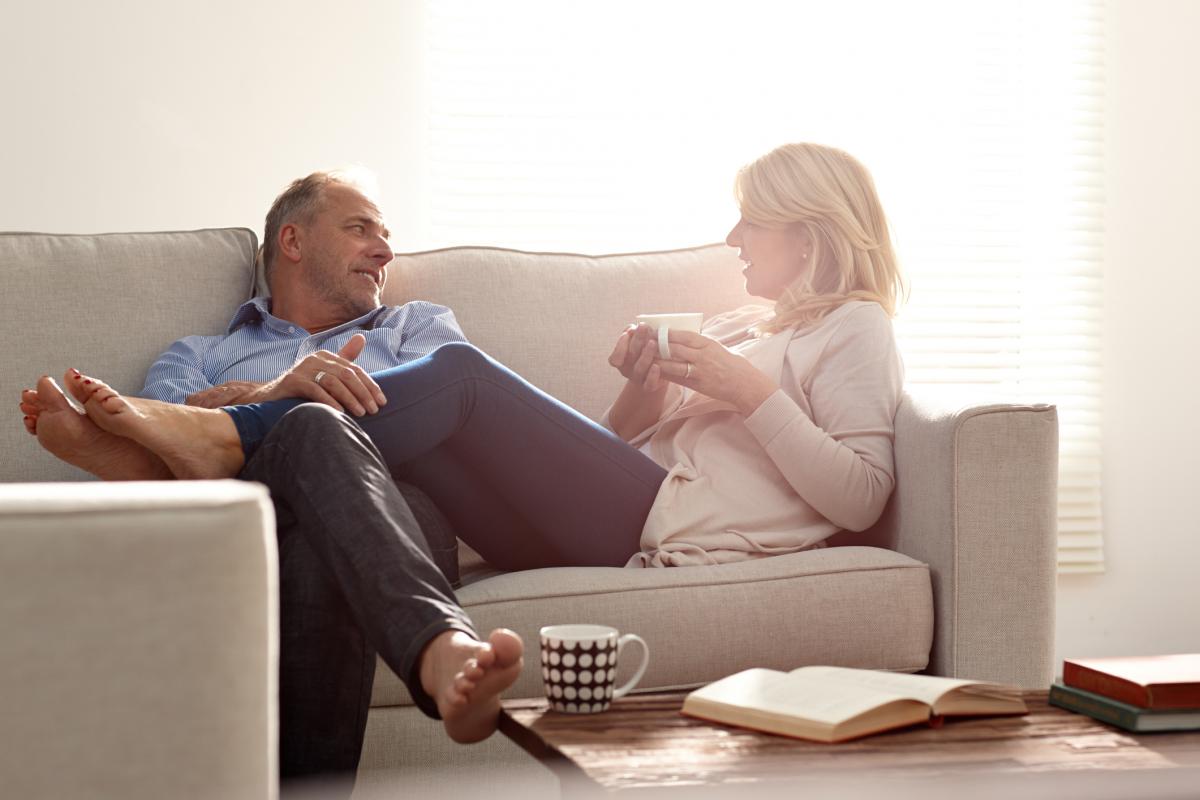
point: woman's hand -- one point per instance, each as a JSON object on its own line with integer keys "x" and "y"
{"x": 634, "y": 357}
{"x": 708, "y": 367}
{"x": 645, "y": 392}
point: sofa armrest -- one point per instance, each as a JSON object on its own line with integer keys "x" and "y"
{"x": 976, "y": 500}
{"x": 139, "y": 624}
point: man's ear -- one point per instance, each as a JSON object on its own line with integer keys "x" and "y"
{"x": 289, "y": 243}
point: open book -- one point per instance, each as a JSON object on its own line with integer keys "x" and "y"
{"x": 833, "y": 704}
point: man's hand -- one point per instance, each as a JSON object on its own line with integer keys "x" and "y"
{"x": 229, "y": 393}
{"x": 343, "y": 384}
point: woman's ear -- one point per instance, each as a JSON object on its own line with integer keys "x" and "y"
{"x": 800, "y": 247}
{"x": 804, "y": 243}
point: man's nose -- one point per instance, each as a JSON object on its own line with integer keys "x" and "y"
{"x": 382, "y": 252}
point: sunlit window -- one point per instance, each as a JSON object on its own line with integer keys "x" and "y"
{"x": 619, "y": 126}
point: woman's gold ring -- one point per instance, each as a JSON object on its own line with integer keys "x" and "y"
{"x": 317, "y": 378}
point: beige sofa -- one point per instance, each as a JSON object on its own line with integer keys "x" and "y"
{"x": 138, "y": 619}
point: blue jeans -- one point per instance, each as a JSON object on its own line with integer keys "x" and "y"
{"x": 524, "y": 479}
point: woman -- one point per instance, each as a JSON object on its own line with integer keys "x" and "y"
{"x": 776, "y": 425}
{"x": 764, "y": 434}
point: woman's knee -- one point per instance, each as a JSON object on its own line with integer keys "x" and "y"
{"x": 460, "y": 354}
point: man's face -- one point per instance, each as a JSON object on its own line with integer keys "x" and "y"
{"x": 345, "y": 252}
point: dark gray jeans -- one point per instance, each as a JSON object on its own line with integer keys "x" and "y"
{"x": 356, "y": 577}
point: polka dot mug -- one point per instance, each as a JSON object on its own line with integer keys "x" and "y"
{"x": 579, "y": 666}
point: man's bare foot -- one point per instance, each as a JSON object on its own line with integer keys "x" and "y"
{"x": 74, "y": 438}
{"x": 465, "y": 677}
{"x": 194, "y": 442}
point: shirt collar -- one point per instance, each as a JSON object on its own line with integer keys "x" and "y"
{"x": 258, "y": 309}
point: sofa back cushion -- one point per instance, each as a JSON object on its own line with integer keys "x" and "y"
{"x": 109, "y": 304}
{"x": 554, "y": 317}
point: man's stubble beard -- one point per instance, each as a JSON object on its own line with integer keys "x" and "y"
{"x": 340, "y": 294}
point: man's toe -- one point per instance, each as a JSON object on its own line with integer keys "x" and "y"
{"x": 507, "y": 646}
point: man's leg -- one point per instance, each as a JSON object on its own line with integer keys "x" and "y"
{"x": 354, "y": 572}
{"x": 326, "y": 666}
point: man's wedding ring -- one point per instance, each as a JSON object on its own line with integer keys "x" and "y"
{"x": 317, "y": 378}
{"x": 688, "y": 374}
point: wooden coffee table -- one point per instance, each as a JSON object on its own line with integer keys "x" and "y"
{"x": 644, "y": 743}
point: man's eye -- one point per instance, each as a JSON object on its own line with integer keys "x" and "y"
{"x": 358, "y": 228}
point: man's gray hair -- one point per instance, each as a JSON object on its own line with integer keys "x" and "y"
{"x": 299, "y": 204}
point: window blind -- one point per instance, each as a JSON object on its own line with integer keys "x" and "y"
{"x": 617, "y": 127}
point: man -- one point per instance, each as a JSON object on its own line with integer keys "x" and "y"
{"x": 325, "y": 252}
{"x": 356, "y": 576}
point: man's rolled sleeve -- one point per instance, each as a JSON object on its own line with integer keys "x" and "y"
{"x": 178, "y": 373}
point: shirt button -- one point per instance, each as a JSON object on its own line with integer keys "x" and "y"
{"x": 291, "y": 330}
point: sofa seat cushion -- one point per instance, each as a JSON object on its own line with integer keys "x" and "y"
{"x": 846, "y": 606}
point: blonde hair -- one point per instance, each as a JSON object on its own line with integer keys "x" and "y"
{"x": 831, "y": 196}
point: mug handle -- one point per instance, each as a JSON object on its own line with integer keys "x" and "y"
{"x": 624, "y": 640}
{"x": 664, "y": 350}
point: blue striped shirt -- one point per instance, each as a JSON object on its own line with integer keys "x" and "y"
{"x": 260, "y": 347}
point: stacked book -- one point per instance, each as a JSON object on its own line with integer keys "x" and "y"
{"x": 1138, "y": 693}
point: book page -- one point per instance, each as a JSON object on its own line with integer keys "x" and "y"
{"x": 928, "y": 689}
{"x": 811, "y": 697}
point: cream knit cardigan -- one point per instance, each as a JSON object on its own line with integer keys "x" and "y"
{"x": 813, "y": 459}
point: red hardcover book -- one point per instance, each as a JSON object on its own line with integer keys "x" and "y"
{"x": 1147, "y": 681}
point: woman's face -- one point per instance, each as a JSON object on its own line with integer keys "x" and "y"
{"x": 775, "y": 257}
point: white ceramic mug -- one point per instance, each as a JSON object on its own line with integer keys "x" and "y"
{"x": 662, "y": 323}
{"x": 579, "y": 666}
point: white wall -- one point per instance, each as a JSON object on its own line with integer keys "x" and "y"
{"x": 1149, "y": 599}
{"x": 143, "y": 115}
{"x": 151, "y": 115}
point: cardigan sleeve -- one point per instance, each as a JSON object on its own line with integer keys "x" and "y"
{"x": 840, "y": 460}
